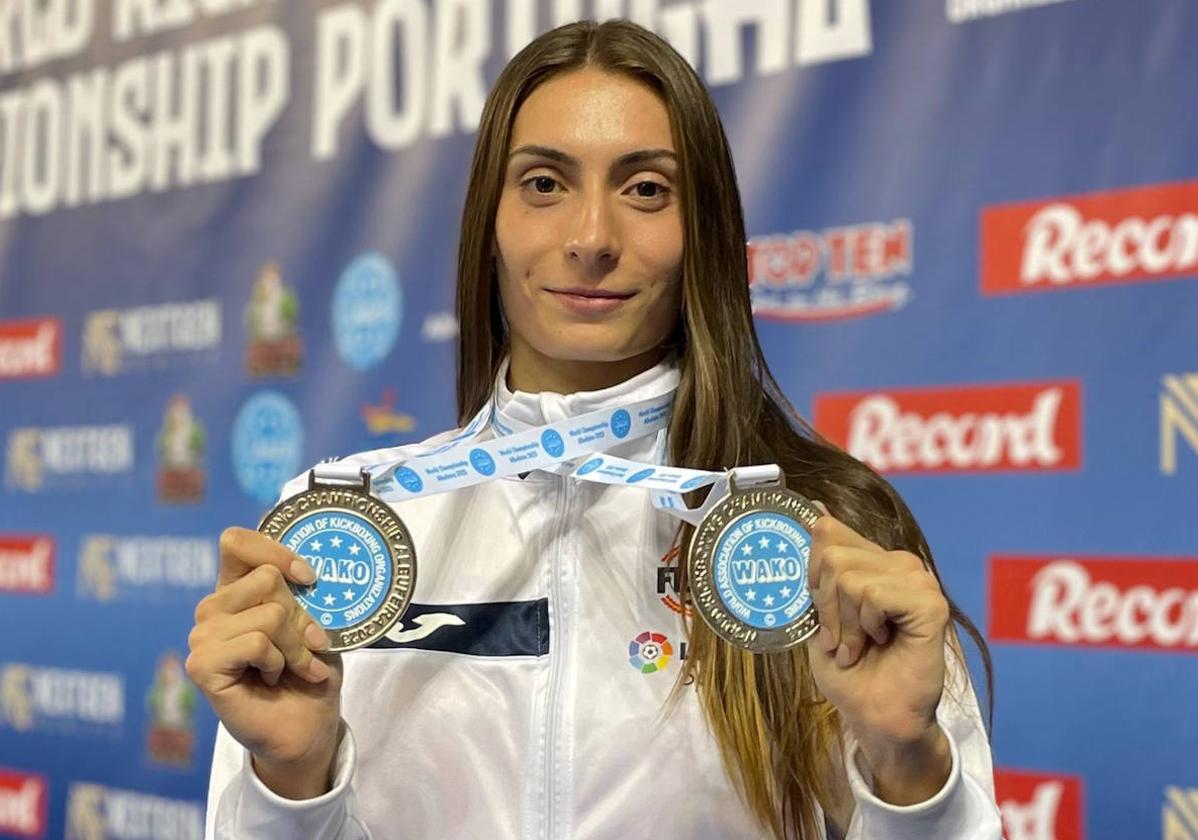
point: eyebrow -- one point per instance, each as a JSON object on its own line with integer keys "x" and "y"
{"x": 641, "y": 156}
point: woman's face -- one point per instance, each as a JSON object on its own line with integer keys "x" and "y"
{"x": 589, "y": 229}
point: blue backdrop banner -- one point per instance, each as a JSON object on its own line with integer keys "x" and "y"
{"x": 228, "y": 239}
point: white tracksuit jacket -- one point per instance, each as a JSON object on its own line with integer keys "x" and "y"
{"x": 507, "y": 705}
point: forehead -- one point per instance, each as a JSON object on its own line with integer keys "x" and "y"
{"x": 593, "y": 110}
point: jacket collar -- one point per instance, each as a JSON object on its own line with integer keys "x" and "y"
{"x": 521, "y": 409}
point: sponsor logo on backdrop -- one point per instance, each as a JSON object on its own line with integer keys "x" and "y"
{"x": 171, "y": 702}
{"x": 1139, "y": 234}
{"x": 367, "y": 311}
{"x": 23, "y": 803}
{"x": 36, "y": 455}
{"x": 274, "y": 347}
{"x": 974, "y": 428}
{"x": 962, "y": 11}
{"x": 30, "y": 348}
{"x": 1039, "y": 806}
{"x": 26, "y": 563}
{"x": 1147, "y": 603}
{"x": 1179, "y": 418}
{"x": 1179, "y": 815}
{"x": 439, "y": 326}
{"x": 837, "y": 273}
{"x": 95, "y": 812}
{"x": 180, "y": 448}
{"x": 60, "y": 699}
{"x": 144, "y": 568}
{"x": 668, "y": 591}
{"x": 383, "y": 419}
{"x": 268, "y": 442}
{"x": 149, "y": 335}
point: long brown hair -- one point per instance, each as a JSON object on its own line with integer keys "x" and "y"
{"x": 777, "y": 734}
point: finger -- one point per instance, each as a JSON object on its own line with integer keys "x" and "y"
{"x": 263, "y": 585}
{"x": 872, "y": 616}
{"x": 243, "y": 550}
{"x": 260, "y": 585}
{"x": 849, "y": 588}
{"x": 827, "y": 603}
{"x": 284, "y": 628}
{"x": 215, "y": 667}
{"x": 828, "y": 530}
{"x": 836, "y": 559}
{"x": 914, "y": 604}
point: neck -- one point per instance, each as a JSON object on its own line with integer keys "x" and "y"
{"x": 534, "y": 372}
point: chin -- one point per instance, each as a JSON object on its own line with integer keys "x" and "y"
{"x": 583, "y": 348}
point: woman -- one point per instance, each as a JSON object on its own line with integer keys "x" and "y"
{"x": 602, "y": 262}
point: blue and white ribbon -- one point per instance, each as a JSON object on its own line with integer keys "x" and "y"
{"x": 574, "y": 447}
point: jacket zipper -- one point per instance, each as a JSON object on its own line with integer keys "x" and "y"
{"x": 558, "y": 653}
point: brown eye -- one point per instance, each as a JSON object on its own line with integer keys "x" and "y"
{"x": 543, "y": 184}
{"x": 649, "y": 189}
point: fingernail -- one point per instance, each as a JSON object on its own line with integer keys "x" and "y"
{"x": 826, "y": 641}
{"x": 318, "y": 669}
{"x": 302, "y": 572}
{"x": 844, "y": 656}
{"x": 822, "y": 507}
{"x": 316, "y": 638}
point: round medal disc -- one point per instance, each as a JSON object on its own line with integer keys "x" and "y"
{"x": 747, "y": 568}
{"x": 362, "y": 555}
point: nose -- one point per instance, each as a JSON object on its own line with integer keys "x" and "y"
{"x": 593, "y": 241}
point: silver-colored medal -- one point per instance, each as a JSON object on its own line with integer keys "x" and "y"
{"x": 360, "y": 550}
{"x": 747, "y": 568}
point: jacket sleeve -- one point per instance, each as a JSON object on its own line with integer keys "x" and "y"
{"x": 964, "y": 809}
{"x": 241, "y": 807}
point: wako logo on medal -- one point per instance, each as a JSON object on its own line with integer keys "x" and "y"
{"x": 362, "y": 555}
{"x": 761, "y": 569}
{"x": 748, "y": 564}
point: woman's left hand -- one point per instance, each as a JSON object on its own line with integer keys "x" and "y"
{"x": 879, "y": 656}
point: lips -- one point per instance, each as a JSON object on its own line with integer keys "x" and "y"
{"x": 590, "y": 302}
{"x": 598, "y": 294}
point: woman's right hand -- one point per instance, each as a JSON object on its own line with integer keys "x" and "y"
{"x": 252, "y": 656}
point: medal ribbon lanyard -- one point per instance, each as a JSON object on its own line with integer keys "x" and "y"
{"x": 571, "y": 447}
